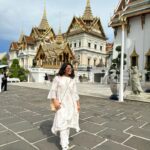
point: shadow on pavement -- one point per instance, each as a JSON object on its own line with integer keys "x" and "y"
{"x": 45, "y": 127}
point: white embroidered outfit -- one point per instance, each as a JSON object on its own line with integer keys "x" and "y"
{"x": 64, "y": 89}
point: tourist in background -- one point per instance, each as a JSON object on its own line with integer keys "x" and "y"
{"x": 1, "y": 76}
{"x": 4, "y": 82}
{"x": 64, "y": 95}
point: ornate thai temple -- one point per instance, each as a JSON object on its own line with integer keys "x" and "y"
{"x": 88, "y": 41}
{"x": 133, "y": 18}
{"x": 26, "y": 47}
{"x": 84, "y": 45}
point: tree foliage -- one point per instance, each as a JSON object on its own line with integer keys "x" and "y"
{"x": 16, "y": 71}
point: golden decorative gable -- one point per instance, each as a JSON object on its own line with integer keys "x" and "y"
{"x": 134, "y": 53}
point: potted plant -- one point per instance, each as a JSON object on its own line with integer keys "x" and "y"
{"x": 114, "y": 74}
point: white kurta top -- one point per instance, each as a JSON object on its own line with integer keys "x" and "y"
{"x": 64, "y": 89}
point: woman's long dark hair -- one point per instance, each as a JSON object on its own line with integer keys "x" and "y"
{"x": 62, "y": 70}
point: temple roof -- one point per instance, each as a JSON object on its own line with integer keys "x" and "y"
{"x": 87, "y": 16}
{"x": 44, "y": 22}
{"x": 129, "y": 9}
{"x": 78, "y": 26}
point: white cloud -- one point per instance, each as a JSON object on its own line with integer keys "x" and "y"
{"x": 18, "y": 15}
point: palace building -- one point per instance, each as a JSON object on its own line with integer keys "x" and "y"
{"x": 84, "y": 45}
{"x": 132, "y": 17}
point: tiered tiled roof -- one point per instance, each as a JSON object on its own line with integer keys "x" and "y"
{"x": 129, "y": 9}
{"x": 86, "y": 24}
{"x": 44, "y": 23}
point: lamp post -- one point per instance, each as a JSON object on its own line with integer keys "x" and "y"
{"x": 122, "y": 62}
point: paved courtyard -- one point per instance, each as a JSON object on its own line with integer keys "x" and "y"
{"x": 25, "y": 123}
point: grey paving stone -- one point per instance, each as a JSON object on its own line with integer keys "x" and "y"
{"x": 85, "y": 139}
{"x": 98, "y": 120}
{"x": 21, "y": 126}
{"x": 91, "y": 127}
{"x": 134, "y": 122}
{"x": 4, "y": 114}
{"x": 11, "y": 120}
{"x": 37, "y": 118}
{"x": 26, "y": 114}
{"x": 20, "y": 145}
{"x": 119, "y": 125}
{"x": 6, "y": 137}
{"x": 114, "y": 135}
{"x": 84, "y": 116}
{"x": 35, "y": 135}
{"x": 147, "y": 126}
{"x": 138, "y": 143}
{"x": 2, "y": 128}
{"x": 15, "y": 109}
{"x": 79, "y": 148}
{"x": 49, "y": 144}
{"x": 109, "y": 145}
{"x": 139, "y": 132}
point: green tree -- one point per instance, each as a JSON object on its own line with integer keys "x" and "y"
{"x": 4, "y": 61}
{"x": 16, "y": 71}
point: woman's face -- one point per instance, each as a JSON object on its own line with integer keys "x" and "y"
{"x": 68, "y": 70}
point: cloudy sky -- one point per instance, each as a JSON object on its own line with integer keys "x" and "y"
{"x": 21, "y": 15}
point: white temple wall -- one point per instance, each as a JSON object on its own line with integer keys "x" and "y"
{"x": 138, "y": 38}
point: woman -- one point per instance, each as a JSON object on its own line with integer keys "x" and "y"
{"x": 66, "y": 101}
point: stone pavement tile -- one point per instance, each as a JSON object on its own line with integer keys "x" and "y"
{"x": 138, "y": 143}
{"x": 139, "y": 132}
{"x": 21, "y": 126}
{"x": 147, "y": 126}
{"x": 98, "y": 120}
{"x": 91, "y": 127}
{"x": 15, "y": 109}
{"x": 4, "y": 114}
{"x": 26, "y": 114}
{"x": 6, "y": 137}
{"x": 11, "y": 120}
{"x": 19, "y": 145}
{"x": 44, "y": 112}
{"x": 79, "y": 148}
{"x": 34, "y": 119}
{"x": 2, "y": 128}
{"x": 49, "y": 144}
{"x": 114, "y": 135}
{"x": 119, "y": 125}
{"x": 85, "y": 139}
{"x": 109, "y": 145}
{"x": 35, "y": 135}
{"x": 84, "y": 115}
{"x": 134, "y": 122}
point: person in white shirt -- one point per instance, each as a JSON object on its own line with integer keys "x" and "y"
{"x": 64, "y": 95}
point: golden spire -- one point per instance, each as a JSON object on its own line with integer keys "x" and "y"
{"x": 87, "y": 16}
{"x": 44, "y": 23}
{"x": 59, "y": 38}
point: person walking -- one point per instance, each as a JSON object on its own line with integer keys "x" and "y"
{"x": 64, "y": 95}
{"x": 4, "y": 81}
{"x": 1, "y": 77}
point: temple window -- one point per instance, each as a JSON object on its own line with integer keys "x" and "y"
{"x": 88, "y": 61}
{"x": 134, "y": 58}
{"x": 80, "y": 44}
{"x": 94, "y": 62}
{"x": 89, "y": 45}
{"x": 101, "y": 47}
{"x": 75, "y": 45}
{"x": 95, "y": 46}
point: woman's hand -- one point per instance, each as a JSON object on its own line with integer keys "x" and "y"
{"x": 57, "y": 104}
